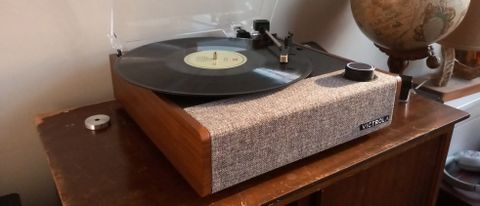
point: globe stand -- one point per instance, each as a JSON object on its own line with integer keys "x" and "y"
{"x": 398, "y": 60}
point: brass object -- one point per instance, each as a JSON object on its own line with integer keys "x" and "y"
{"x": 467, "y": 64}
{"x": 446, "y": 70}
{"x": 466, "y": 43}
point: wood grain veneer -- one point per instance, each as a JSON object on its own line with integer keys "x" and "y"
{"x": 185, "y": 142}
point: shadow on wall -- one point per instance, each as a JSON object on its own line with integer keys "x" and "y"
{"x": 312, "y": 20}
{"x": 332, "y": 26}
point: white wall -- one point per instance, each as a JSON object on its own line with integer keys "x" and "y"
{"x": 329, "y": 23}
{"x": 53, "y": 55}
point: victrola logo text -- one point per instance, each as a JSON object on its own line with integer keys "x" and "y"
{"x": 374, "y": 123}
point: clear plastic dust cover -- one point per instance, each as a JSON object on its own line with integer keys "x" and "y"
{"x": 140, "y": 22}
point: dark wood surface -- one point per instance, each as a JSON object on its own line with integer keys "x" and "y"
{"x": 121, "y": 166}
{"x": 456, "y": 88}
{"x": 394, "y": 178}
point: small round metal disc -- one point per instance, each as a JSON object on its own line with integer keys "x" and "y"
{"x": 184, "y": 67}
{"x": 97, "y": 122}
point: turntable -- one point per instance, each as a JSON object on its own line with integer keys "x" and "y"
{"x": 224, "y": 110}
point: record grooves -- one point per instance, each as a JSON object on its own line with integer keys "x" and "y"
{"x": 178, "y": 67}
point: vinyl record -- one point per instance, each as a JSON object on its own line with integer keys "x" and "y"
{"x": 209, "y": 66}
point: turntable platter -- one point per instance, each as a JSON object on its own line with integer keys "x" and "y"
{"x": 209, "y": 66}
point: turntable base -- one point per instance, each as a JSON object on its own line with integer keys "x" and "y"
{"x": 216, "y": 144}
{"x": 220, "y": 144}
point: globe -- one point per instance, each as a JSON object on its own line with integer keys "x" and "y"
{"x": 405, "y": 25}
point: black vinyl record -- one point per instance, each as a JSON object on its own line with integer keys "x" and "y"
{"x": 165, "y": 67}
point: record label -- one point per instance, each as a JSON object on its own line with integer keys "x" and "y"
{"x": 215, "y": 59}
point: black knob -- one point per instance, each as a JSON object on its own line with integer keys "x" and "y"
{"x": 359, "y": 72}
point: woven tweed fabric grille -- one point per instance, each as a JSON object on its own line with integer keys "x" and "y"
{"x": 254, "y": 134}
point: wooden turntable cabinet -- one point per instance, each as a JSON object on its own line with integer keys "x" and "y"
{"x": 187, "y": 142}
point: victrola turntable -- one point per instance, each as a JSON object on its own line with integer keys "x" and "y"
{"x": 226, "y": 109}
